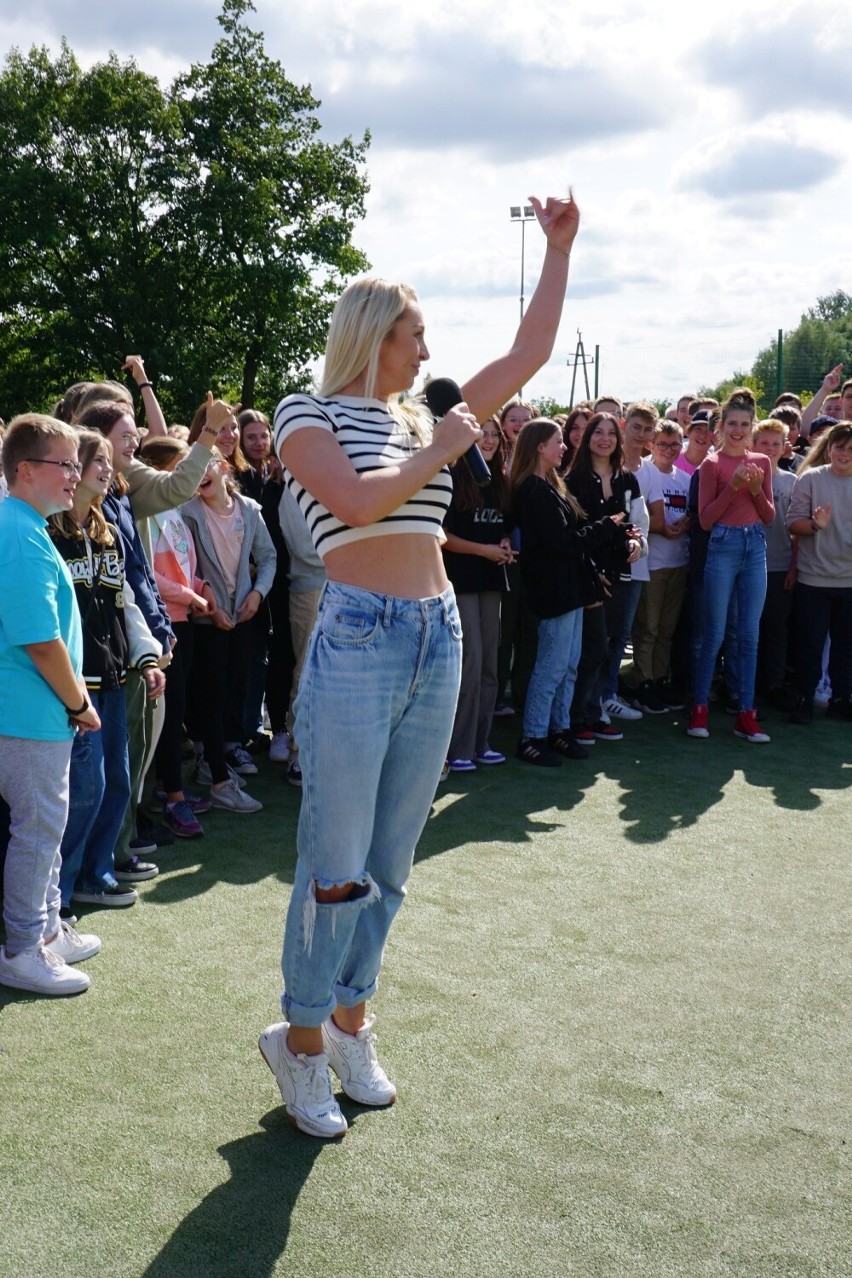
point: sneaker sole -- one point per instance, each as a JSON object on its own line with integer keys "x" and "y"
{"x": 701, "y": 733}
{"x": 763, "y": 739}
{"x": 52, "y": 992}
{"x": 129, "y": 876}
{"x": 298, "y": 1122}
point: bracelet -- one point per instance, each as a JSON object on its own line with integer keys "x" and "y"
{"x": 75, "y": 714}
{"x": 145, "y": 385}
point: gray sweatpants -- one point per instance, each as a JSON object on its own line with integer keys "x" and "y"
{"x": 34, "y": 783}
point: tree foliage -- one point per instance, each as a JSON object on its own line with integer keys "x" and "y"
{"x": 822, "y": 338}
{"x": 206, "y": 226}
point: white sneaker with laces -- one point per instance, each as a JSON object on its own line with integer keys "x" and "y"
{"x": 279, "y": 751}
{"x": 203, "y": 776}
{"x": 230, "y": 797}
{"x": 617, "y": 708}
{"x": 353, "y": 1059}
{"x": 304, "y": 1084}
{"x": 40, "y": 971}
{"x": 71, "y": 946}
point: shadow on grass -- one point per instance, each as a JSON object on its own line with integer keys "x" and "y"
{"x": 670, "y": 789}
{"x": 242, "y": 1227}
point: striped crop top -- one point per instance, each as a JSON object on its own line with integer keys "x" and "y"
{"x": 371, "y": 438}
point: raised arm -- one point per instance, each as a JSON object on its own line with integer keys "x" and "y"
{"x": 830, "y": 383}
{"x": 153, "y": 413}
{"x": 487, "y": 390}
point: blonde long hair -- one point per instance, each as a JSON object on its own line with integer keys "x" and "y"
{"x": 363, "y": 318}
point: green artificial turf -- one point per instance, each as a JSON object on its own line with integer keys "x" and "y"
{"x": 616, "y": 1006}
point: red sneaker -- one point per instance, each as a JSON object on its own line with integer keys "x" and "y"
{"x": 748, "y": 728}
{"x": 698, "y": 722}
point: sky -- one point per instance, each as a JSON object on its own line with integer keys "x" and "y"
{"x": 711, "y": 158}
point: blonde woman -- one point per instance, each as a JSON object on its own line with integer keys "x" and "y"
{"x": 378, "y": 691}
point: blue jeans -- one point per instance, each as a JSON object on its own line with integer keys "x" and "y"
{"x": 99, "y": 795}
{"x": 551, "y": 688}
{"x": 736, "y": 566}
{"x": 620, "y": 610}
{"x": 374, "y": 714}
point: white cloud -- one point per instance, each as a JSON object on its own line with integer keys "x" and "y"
{"x": 742, "y": 163}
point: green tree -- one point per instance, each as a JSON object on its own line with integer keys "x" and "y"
{"x": 822, "y": 338}
{"x": 206, "y": 226}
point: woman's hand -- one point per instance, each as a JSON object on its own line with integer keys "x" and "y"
{"x": 220, "y": 619}
{"x": 754, "y": 479}
{"x": 199, "y": 606}
{"x": 496, "y": 553}
{"x": 822, "y": 516}
{"x": 249, "y": 606}
{"x": 634, "y": 550}
{"x": 559, "y": 219}
{"x": 134, "y": 366}
{"x": 456, "y": 431}
{"x": 218, "y": 413}
{"x": 619, "y": 518}
{"x": 739, "y": 477}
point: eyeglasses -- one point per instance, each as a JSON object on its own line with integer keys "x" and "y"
{"x": 675, "y": 446}
{"x": 69, "y": 468}
{"x": 129, "y": 438}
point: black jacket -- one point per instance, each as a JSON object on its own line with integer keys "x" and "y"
{"x": 98, "y": 576}
{"x": 557, "y": 571}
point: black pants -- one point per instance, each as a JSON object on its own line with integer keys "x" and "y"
{"x": 823, "y": 612}
{"x": 220, "y": 672}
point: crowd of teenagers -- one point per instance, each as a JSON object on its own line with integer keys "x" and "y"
{"x": 166, "y": 592}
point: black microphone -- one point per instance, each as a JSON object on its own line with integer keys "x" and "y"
{"x": 442, "y": 394}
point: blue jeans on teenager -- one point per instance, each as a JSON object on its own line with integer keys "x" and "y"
{"x": 551, "y": 687}
{"x": 736, "y": 566}
{"x": 375, "y": 710}
{"x": 99, "y": 795}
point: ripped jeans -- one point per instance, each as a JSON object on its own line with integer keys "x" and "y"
{"x": 374, "y": 715}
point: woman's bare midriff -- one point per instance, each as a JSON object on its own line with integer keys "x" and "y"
{"x": 408, "y": 565}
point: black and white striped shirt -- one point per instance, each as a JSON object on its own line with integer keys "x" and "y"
{"x": 371, "y": 438}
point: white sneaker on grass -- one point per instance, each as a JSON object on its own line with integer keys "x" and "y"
{"x": 617, "y": 708}
{"x": 304, "y": 1084}
{"x": 353, "y": 1059}
{"x": 71, "y": 946}
{"x": 39, "y": 971}
{"x": 230, "y": 797}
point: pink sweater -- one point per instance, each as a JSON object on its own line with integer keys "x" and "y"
{"x": 719, "y": 503}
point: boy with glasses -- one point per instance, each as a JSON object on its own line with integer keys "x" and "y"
{"x": 43, "y": 702}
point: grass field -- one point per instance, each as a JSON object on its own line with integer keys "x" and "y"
{"x": 616, "y": 1006}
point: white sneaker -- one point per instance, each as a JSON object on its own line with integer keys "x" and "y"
{"x": 40, "y": 971}
{"x": 617, "y": 708}
{"x": 203, "y": 776}
{"x": 353, "y": 1059}
{"x": 232, "y": 798}
{"x": 71, "y": 946}
{"x": 279, "y": 751}
{"x": 304, "y": 1083}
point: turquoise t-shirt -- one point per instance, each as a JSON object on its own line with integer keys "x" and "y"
{"x": 37, "y": 604}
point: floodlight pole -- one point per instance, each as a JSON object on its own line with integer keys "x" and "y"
{"x": 522, "y": 213}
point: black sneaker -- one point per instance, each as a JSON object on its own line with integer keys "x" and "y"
{"x": 537, "y": 750}
{"x": 294, "y": 773}
{"x": 135, "y": 871}
{"x": 839, "y": 708}
{"x": 648, "y": 699}
{"x": 117, "y": 896}
{"x": 67, "y": 915}
{"x": 669, "y": 695}
{"x": 563, "y": 743}
{"x": 803, "y": 712}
